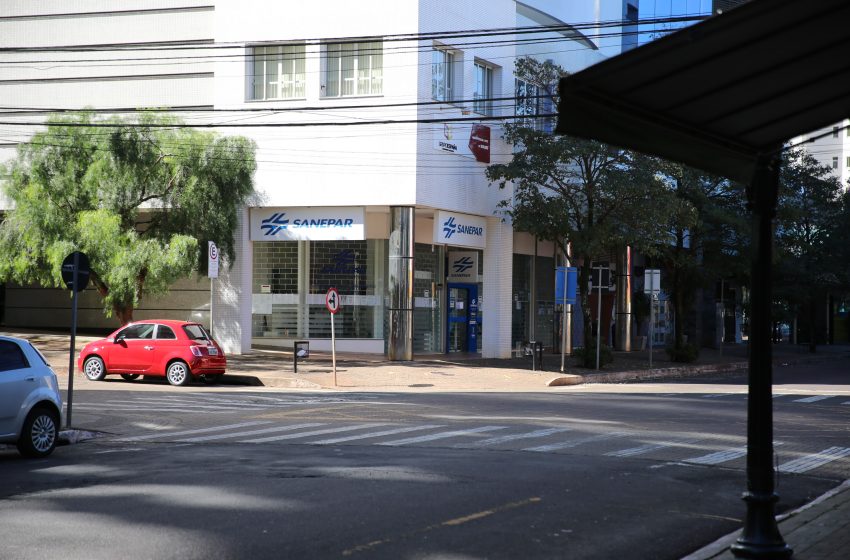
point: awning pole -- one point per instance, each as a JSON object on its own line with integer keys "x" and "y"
{"x": 760, "y": 537}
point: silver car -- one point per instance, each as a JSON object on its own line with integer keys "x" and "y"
{"x": 30, "y": 402}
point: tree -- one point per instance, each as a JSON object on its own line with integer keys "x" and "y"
{"x": 712, "y": 244}
{"x": 140, "y": 197}
{"x": 809, "y": 237}
{"x": 596, "y": 197}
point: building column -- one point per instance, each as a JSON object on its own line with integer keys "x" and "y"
{"x": 624, "y": 300}
{"x": 400, "y": 285}
{"x": 231, "y": 305}
{"x": 498, "y": 287}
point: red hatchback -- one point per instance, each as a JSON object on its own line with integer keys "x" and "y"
{"x": 177, "y": 350}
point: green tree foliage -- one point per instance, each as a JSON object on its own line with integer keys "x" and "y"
{"x": 141, "y": 199}
{"x": 596, "y": 197}
{"x": 810, "y": 238}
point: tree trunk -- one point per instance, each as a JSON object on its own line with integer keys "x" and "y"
{"x": 584, "y": 279}
{"x": 812, "y": 315}
{"x": 124, "y": 314}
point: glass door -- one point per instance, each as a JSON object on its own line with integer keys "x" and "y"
{"x": 462, "y": 331}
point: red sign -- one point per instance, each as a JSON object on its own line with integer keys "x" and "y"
{"x": 479, "y": 142}
{"x": 332, "y": 300}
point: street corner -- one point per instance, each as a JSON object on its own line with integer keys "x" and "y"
{"x": 565, "y": 379}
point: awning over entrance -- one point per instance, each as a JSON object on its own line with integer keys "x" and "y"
{"x": 723, "y": 96}
{"x": 718, "y": 93}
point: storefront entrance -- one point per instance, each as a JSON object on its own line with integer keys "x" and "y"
{"x": 462, "y": 331}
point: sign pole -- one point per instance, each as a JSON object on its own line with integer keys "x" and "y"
{"x": 564, "y": 323}
{"x": 651, "y": 325}
{"x": 71, "y": 368}
{"x": 598, "y": 315}
{"x": 333, "y": 347}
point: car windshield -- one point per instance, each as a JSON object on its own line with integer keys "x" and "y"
{"x": 196, "y": 332}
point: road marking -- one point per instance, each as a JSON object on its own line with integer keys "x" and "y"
{"x": 512, "y": 437}
{"x": 376, "y": 434}
{"x": 649, "y": 447}
{"x": 718, "y": 395}
{"x": 197, "y": 431}
{"x": 251, "y": 432}
{"x": 314, "y": 433}
{"x": 575, "y": 443}
{"x": 443, "y": 435}
{"x": 719, "y": 456}
{"x": 182, "y": 405}
{"x": 816, "y": 398}
{"x": 194, "y": 403}
{"x": 809, "y": 462}
{"x": 100, "y": 408}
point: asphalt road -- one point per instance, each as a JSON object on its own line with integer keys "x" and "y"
{"x": 619, "y": 471}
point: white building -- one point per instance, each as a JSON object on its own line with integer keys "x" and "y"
{"x": 374, "y": 123}
{"x": 831, "y": 147}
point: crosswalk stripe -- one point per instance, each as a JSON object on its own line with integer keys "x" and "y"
{"x": 196, "y": 431}
{"x": 252, "y": 432}
{"x": 443, "y": 435}
{"x": 715, "y": 395}
{"x": 649, "y": 447}
{"x": 513, "y": 437}
{"x": 190, "y": 403}
{"x": 815, "y": 398}
{"x": 176, "y": 406}
{"x": 575, "y": 443}
{"x": 809, "y": 462}
{"x": 719, "y": 456}
{"x": 314, "y": 433}
{"x": 100, "y": 408}
{"x": 376, "y": 434}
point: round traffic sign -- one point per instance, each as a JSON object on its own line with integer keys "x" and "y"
{"x": 332, "y": 300}
{"x": 83, "y": 270}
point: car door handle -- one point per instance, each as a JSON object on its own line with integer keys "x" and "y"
{"x": 148, "y": 347}
{"x": 30, "y": 378}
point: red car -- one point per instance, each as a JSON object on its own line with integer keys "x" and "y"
{"x": 178, "y": 350}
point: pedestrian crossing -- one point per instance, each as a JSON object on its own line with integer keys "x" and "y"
{"x": 206, "y": 403}
{"x": 683, "y": 449}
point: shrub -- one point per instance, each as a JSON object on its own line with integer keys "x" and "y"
{"x": 586, "y": 356}
{"x": 686, "y": 354}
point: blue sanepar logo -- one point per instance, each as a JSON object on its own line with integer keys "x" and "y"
{"x": 449, "y": 227}
{"x": 462, "y": 264}
{"x": 275, "y": 223}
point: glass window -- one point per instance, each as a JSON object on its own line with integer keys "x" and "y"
{"x": 11, "y": 356}
{"x": 278, "y": 72}
{"x": 835, "y": 132}
{"x": 483, "y": 89}
{"x": 143, "y": 330}
{"x": 442, "y": 75}
{"x": 291, "y": 279}
{"x": 196, "y": 332}
{"x": 354, "y": 69}
{"x": 835, "y": 163}
{"x": 164, "y": 332}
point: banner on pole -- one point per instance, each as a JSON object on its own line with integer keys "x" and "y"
{"x": 570, "y": 285}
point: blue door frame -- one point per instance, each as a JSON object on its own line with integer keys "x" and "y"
{"x": 470, "y": 317}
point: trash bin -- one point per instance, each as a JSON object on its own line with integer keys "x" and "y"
{"x": 300, "y": 351}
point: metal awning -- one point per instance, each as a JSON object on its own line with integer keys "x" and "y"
{"x": 718, "y": 93}
{"x": 724, "y": 95}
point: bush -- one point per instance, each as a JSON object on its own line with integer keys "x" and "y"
{"x": 686, "y": 354}
{"x": 586, "y": 356}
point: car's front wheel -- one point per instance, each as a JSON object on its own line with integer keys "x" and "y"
{"x": 40, "y": 432}
{"x": 94, "y": 369}
{"x": 178, "y": 373}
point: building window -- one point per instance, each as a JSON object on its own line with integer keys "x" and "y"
{"x": 533, "y": 102}
{"x": 848, "y": 162}
{"x": 835, "y": 132}
{"x": 483, "y": 90}
{"x": 835, "y": 163}
{"x": 442, "y": 75}
{"x": 354, "y": 69}
{"x": 278, "y": 72}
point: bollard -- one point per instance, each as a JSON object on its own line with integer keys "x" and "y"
{"x": 301, "y": 349}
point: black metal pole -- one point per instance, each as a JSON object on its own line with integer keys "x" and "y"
{"x": 71, "y": 368}
{"x": 760, "y": 537}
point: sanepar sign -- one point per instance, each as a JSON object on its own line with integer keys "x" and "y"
{"x": 313, "y": 224}
{"x": 463, "y": 230}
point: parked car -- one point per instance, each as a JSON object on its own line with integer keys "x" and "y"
{"x": 178, "y": 350}
{"x": 30, "y": 402}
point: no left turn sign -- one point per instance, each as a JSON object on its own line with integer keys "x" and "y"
{"x": 332, "y": 300}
